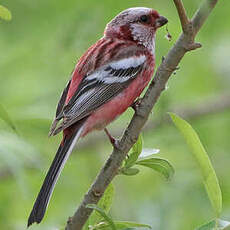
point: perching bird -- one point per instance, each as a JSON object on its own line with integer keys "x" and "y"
{"x": 108, "y": 78}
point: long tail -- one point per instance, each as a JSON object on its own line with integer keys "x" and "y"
{"x": 55, "y": 169}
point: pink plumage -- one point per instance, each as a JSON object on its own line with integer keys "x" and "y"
{"x": 108, "y": 78}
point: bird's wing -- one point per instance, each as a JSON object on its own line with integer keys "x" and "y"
{"x": 99, "y": 87}
{"x": 62, "y": 100}
{"x": 60, "y": 106}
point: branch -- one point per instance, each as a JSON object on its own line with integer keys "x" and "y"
{"x": 202, "y": 14}
{"x": 182, "y": 14}
{"x": 111, "y": 167}
{"x": 212, "y": 105}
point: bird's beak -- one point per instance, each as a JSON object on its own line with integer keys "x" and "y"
{"x": 161, "y": 21}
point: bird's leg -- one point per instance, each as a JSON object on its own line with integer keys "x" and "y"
{"x": 136, "y": 104}
{"x": 113, "y": 141}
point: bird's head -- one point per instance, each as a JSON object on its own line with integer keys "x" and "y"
{"x": 137, "y": 24}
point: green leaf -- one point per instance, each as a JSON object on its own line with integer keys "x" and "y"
{"x": 103, "y": 214}
{"x": 130, "y": 171}
{"x": 209, "y": 176}
{"x": 120, "y": 225}
{"x": 162, "y": 166}
{"x": 104, "y": 203}
{"x": 5, "y": 13}
{"x": 215, "y": 225}
{"x": 107, "y": 199}
{"x": 148, "y": 153}
{"x": 135, "y": 152}
{"x": 5, "y": 117}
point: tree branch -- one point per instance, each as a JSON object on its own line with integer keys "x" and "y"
{"x": 111, "y": 167}
{"x": 212, "y": 105}
{"x": 182, "y": 14}
{"x": 202, "y": 14}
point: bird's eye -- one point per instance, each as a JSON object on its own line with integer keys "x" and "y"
{"x": 144, "y": 18}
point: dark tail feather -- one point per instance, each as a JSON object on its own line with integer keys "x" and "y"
{"x": 44, "y": 195}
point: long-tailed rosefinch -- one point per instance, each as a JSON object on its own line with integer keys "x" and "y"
{"x": 106, "y": 81}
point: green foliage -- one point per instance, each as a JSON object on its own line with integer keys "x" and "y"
{"x": 135, "y": 157}
{"x": 100, "y": 220}
{"x": 104, "y": 204}
{"x": 120, "y": 225}
{"x": 129, "y": 171}
{"x": 5, "y": 13}
{"x": 215, "y": 225}
{"x": 160, "y": 165}
{"x": 6, "y": 117}
{"x": 209, "y": 176}
{"x": 135, "y": 153}
{"x": 103, "y": 214}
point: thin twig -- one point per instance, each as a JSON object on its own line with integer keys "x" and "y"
{"x": 111, "y": 167}
{"x": 182, "y": 14}
{"x": 211, "y": 106}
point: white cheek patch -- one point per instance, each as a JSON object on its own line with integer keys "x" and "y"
{"x": 144, "y": 36}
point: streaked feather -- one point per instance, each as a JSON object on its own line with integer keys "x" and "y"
{"x": 100, "y": 87}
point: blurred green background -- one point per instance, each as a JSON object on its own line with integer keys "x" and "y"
{"x": 38, "y": 50}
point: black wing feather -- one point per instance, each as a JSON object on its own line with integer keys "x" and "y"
{"x": 61, "y": 102}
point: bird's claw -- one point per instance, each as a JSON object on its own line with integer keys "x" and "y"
{"x": 136, "y": 104}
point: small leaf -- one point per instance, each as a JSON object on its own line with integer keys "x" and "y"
{"x": 148, "y": 153}
{"x": 209, "y": 176}
{"x": 107, "y": 199}
{"x": 135, "y": 152}
{"x": 5, "y": 117}
{"x": 208, "y": 226}
{"x": 215, "y": 225}
{"x": 130, "y": 171}
{"x": 162, "y": 166}
{"x": 103, "y": 214}
{"x": 121, "y": 225}
{"x": 104, "y": 203}
{"x": 5, "y": 13}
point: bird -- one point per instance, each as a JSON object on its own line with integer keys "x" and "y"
{"x": 108, "y": 78}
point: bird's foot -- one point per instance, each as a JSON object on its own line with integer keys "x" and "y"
{"x": 136, "y": 104}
